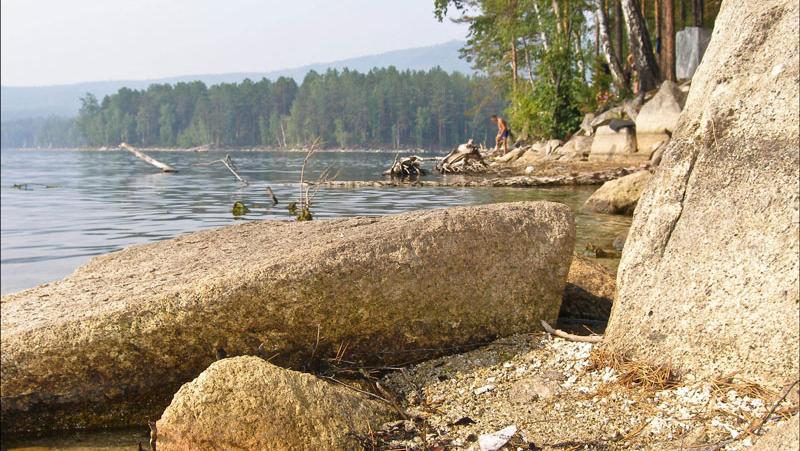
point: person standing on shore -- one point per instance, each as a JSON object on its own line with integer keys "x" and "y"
{"x": 503, "y": 133}
{"x": 631, "y": 75}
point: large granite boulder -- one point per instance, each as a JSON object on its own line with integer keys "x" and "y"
{"x": 577, "y": 148}
{"x": 619, "y": 196}
{"x": 586, "y": 128}
{"x": 111, "y": 343}
{"x": 709, "y": 277}
{"x": 658, "y": 117}
{"x": 245, "y": 403}
{"x": 606, "y": 117}
{"x": 530, "y": 157}
{"x": 610, "y": 145}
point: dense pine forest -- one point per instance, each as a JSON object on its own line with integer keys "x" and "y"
{"x": 384, "y": 108}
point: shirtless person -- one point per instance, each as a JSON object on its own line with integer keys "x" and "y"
{"x": 503, "y": 133}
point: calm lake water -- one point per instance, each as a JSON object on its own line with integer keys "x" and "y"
{"x": 73, "y": 205}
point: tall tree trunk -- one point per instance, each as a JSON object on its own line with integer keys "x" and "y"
{"x": 596, "y": 41}
{"x": 579, "y": 59}
{"x": 618, "y": 32}
{"x": 668, "y": 40}
{"x": 683, "y": 14}
{"x": 656, "y": 25}
{"x": 605, "y": 46}
{"x": 639, "y": 42}
{"x": 697, "y": 12}
{"x": 528, "y": 64}
{"x": 513, "y": 63}
{"x": 542, "y": 35}
{"x": 557, "y": 14}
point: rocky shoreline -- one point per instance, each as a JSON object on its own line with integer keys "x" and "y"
{"x": 508, "y": 181}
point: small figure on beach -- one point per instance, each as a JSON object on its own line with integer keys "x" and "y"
{"x": 631, "y": 74}
{"x": 503, "y": 133}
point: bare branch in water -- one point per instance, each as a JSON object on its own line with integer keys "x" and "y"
{"x": 228, "y": 162}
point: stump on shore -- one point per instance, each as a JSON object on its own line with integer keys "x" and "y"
{"x": 406, "y": 167}
{"x": 466, "y": 159}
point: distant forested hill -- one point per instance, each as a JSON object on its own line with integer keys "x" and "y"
{"x": 64, "y": 100}
{"x": 383, "y": 108}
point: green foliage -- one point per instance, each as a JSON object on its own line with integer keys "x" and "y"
{"x": 239, "y": 209}
{"x": 535, "y": 52}
{"x": 305, "y": 214}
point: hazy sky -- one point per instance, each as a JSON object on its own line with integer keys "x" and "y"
{"x": 67, "y": 41}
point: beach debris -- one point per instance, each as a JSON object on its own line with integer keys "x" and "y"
{"x": 406, "y": 167}
{"x": 466, "y": 158}
{"x": 463, "y": 421}
{"x": 579, "y": 338}
{"x": 142, "y": 156}
{"x": 239, "y": 209}
{"x": 28, "y": 186}
{"x": 495, "y": 441}
{"x": 484, "y": 389}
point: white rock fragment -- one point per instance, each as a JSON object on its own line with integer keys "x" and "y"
{"x": 484, "y": 389}
{"x": 495, "y": 441}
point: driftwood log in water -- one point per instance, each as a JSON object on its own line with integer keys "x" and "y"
{"x": 163, "y": 166}
{"x": 524, "y": 181}
{"x": 406, "y": 167}
{"x": 466, "y": 159}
